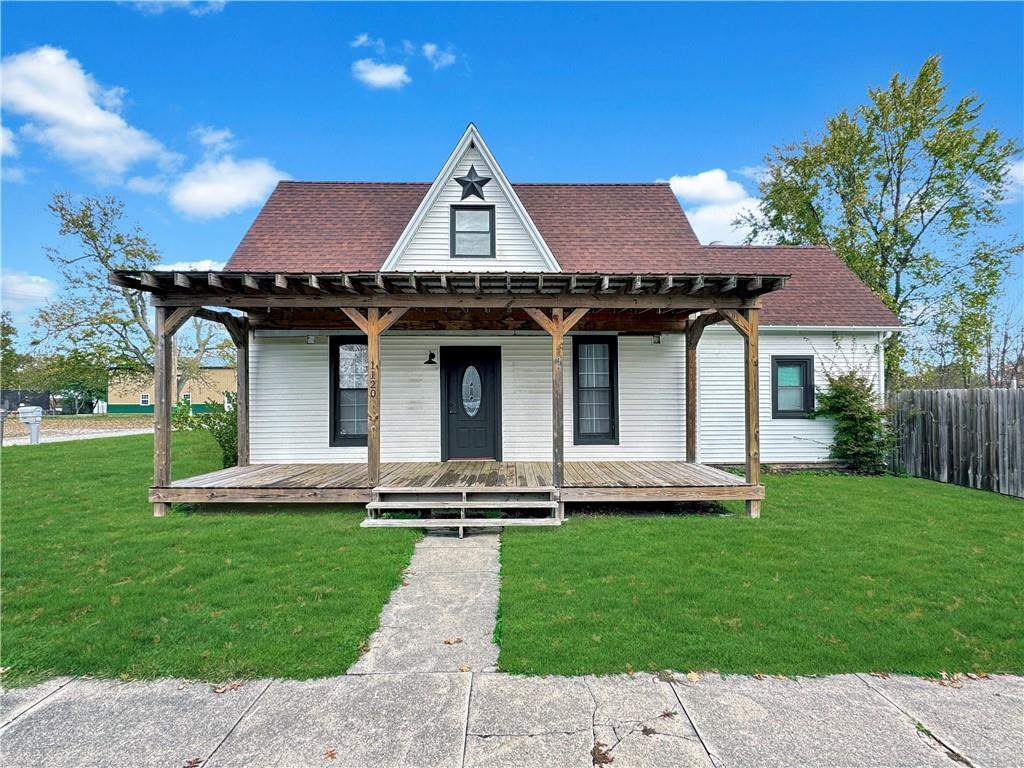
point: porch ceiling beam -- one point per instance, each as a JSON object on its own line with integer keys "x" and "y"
{"x": 250, "y": 282}
{"x": 483, "y": 300}
{"x": 697, "y": 284}
{"x": 314, "y": 282}
{"x": 213, "y": 280}
{"x": 181, "y": 280}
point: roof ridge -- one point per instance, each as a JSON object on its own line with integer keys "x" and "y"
{"x": 513, "y": 183}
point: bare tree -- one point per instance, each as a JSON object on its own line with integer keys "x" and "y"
{"x": 113, "y": 322}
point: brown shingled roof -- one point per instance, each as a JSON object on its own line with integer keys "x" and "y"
{"x": 616, "y": 228}
{"x": 821, "y": 289}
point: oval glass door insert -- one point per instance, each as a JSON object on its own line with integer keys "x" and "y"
{"x": 471, "y": 389}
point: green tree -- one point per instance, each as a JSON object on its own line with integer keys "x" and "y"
{"x": 111, "y": 322}
{"x": 11, "y": 361}
{"x": 78, "y": 376}
{"x": 905, "y": 189}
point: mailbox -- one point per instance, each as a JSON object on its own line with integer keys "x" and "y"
{"x": 31, "y": 415}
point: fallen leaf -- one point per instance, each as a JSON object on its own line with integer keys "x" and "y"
{"x": 600, "y": 755}
{"x": 647, "y": 731}
{"x": 465, "y": 668}
{"x": 364, "y": 647}
{"x": 452, "y": 640}
{"x": 693, "y": 677}
{"x": 193, "y": 762}
{"x": 668, "y": 714}
{"x": 881, "y": 675}
{"x": 758, "y": 676}
{"x": 666, "y": 676}
{"x": 330, "y": 754}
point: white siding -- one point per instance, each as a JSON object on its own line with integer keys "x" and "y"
{"x": 720, "y": 392}
{"x": 429, "y": 249}
{"x": 290, "y": 404}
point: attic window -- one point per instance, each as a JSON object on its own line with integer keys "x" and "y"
{"x": 472, "y": 231}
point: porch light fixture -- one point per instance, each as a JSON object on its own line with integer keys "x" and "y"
{"x": 430, "y": 359}
{"x": 656, "y": 338}
{"x": 311, "y": 339}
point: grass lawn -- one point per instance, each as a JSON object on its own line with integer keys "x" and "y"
{"x": 93, "y": 584}
{"x": 840, "y": 574}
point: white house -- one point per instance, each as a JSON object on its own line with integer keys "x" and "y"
{"x": 478, "y": 343}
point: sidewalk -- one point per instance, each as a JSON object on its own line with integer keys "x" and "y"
{"x": 491, "y": 719}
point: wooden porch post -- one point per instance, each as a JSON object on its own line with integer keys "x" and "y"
{"x": 162, "y": 365}
{"x": 373, "y": 324}
{"x": 242, "y": 396}
{"x": 694, "y": 329}
{"x": 168, "y": 321}
{"x": 751, "y": 408}
{"x": 557, "y": 326}
{"x": 557, "y": 399}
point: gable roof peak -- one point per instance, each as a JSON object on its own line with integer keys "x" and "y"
{"x": 471, "y": 139}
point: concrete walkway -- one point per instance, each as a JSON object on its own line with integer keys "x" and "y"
{"x": 481, "y": 719}
{"x": 442, "y": 617}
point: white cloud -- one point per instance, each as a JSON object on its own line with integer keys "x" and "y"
{"x": 73, "y": 115}
{"x": 14, "y": 175}
{"x": 197, "y": 8}
{"x": 218, "y": 187}
{"x": 1013, "y": 187}
{"x": 756, "y": 173}
{"x": 377, "y": 75}
{"x": 7, "y": 146}
{"x": 202, "y": 265}
{"x": 22, "y": 292}
{"x": 365, "y": 41}
{"x": 408, "y": 47}
{"x": 712, "y": 186}
{"x": 712, "y": 202}
{"x": 147, "y": 185}
{"x": 440, "y": 59}
{"x": 215, "y": 140}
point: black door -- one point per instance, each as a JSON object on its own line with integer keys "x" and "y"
{"x": 471, "y": 403}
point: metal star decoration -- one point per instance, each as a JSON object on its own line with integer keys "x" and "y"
{"x": 472, "y": 183}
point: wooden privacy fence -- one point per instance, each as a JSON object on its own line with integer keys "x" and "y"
{"x": 970, "y": 437}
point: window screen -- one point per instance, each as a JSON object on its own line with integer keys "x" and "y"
{"x": 349, "y": 373}
{"x": 792, "y": 387}
{"x": 472, "y": 231}
{"x": 595, "y": 397}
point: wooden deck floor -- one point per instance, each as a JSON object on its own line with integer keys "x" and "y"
{"x": 584, "y": 481}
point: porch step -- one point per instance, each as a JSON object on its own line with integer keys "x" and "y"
{"x": 459, "y": 504}
{"x": 469, "y": 522}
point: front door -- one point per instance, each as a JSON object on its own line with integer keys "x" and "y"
{"x": 471, "y": 403}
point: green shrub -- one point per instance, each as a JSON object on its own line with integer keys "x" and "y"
{"x": 863, "y": 435}
{"x": 219, "y": 421}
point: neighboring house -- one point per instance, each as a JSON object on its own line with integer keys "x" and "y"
{"x": 131, "y": 393}
{"x": 394, "y": 331}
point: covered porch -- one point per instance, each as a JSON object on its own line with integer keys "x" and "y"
{"x": 372, "y": 304}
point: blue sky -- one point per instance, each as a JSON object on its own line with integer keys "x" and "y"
{"x": 189, "y": 113}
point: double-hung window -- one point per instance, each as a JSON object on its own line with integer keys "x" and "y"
{"x": 792, "y": 387}
{"x": 472, "y": 231}
{"x": 349, "y": 373}
{"x": 595, "y": 394}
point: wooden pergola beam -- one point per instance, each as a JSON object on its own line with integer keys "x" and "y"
{"x": 452, "y": 299}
